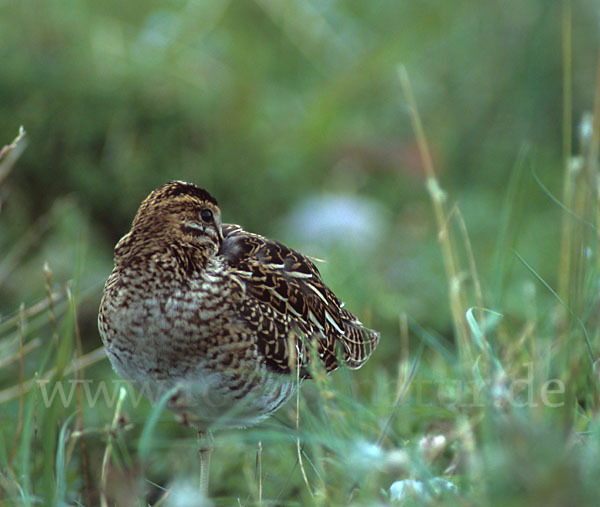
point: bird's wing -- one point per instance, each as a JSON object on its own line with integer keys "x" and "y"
{"x": 295, "y": 310}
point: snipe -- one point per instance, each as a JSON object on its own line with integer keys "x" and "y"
{"x": 227, "y": 318}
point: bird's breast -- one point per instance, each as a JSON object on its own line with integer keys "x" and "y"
{"x": 162, "y": 329}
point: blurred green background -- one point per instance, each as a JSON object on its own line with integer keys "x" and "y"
{"x": 267, "y": 104}
{"x": 279, "y": 108}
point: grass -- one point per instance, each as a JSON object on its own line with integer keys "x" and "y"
{"x": 490, "y": 398}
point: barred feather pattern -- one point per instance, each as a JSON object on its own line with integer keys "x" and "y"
{"x": 289, "y": 289}
{"x": 224, "y": 314}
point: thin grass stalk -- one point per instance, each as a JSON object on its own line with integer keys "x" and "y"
{"x": 22, "y": 351}
{"x": 575, "y": 317}
{"x": 592, "y": 155}
{"x": 32, "y": 311}
{"x": 13, "y": 451}
{"x": 298, "y": 446}
{"x": 25, "y": 465}
{"x": 11, "y": 152}
{"x": 592, "y": 171}
{"x": 62, "y": 462}
{"x": 259, "y": 471}
{"x": 585, "y": 204}
{"x": 462, "y": 227}
{"x": 474, "y": 462}
{"x": 79, "y": 373}
{"x": 48, "y": 285}
{"x": 594, "y": 147}
{"x": 567, "y": 128}
{"x": 582, "y": 208}
{"x": 403, "y": 363}
{"x": 509, "y": 225}
{"x": 145, "y": 441}
{"x": 109, "y": 446}
{"x": 29, "y": 240}
{"x": 402, "y": 392}
{"x": 438, "y": 198}
{"x": 62, "y": 346}
{"x": 87, "y": 360}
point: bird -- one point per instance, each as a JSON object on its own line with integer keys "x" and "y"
{"x": 226, "y": 321}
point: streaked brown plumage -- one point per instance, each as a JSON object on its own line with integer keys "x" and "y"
{"x": 224, "y": 315}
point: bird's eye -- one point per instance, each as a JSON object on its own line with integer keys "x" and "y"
{"x": 207, "y": 216}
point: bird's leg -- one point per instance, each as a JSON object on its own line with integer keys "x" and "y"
{"x": 205, "y": 449}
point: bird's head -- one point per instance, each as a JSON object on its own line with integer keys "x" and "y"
{"x": 177, "y": 215}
